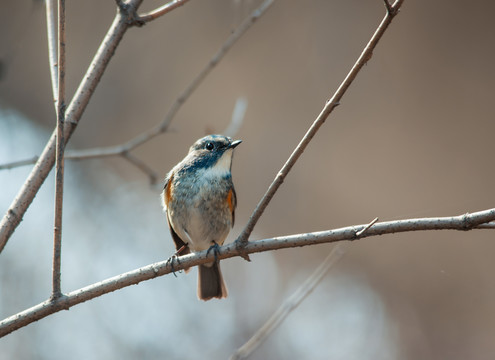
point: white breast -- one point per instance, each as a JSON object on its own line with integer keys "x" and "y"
{"x": 222, "y": 167}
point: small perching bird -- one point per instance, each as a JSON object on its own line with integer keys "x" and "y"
{"x": 200, "y": 200}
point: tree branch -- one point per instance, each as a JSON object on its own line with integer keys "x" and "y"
{"x": 462, "y": 223}
{"x": 165, "y": 9}
{"x": 331, "y": 104}
{"x": 19, "y": 163}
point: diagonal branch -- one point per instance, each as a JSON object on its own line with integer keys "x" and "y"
{"x": 462, "y": 223}
{"x": 327, "y": 109}
{"x": 289, "y": 304}
{"x": 162, "y": 10}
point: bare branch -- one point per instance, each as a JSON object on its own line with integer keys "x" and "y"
{"x": 152, "y": 15}
{"x": 43, "y": 166}
{"x": 462, "y": 223}
{"x": 327, "y": 109}
{"x": 362, "y": 231}
{"x": 59, "y": 168}
{"x": 290, "y": 304}
{"x": 19, "y": 163}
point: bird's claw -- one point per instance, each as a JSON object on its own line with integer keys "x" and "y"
{"x": 216, "y": 250}
{"x": 171, "y": 260}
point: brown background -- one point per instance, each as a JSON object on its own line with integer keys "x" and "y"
{"x": 413, "y": 137}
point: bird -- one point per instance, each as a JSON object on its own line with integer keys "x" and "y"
{"x": 199, "y": 200}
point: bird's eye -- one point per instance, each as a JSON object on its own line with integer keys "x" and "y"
{"x": 209, "y": 146}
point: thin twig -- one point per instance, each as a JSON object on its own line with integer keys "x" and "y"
{"x": 19, "y": 163}
{"x": 366, "y": 228}
{"x": 74, "y": 111}
{"x": 463, "y": 222}
{"x": 162, "y": 10}
{"x": 59, "y": 168}
{"x": 327, "y": 109}
{"x": 289, "y": 305}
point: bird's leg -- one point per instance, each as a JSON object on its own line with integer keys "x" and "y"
{"x": 216, "y": 250}
{"x": 175, "y": 257}
{"x": 171, "y": 261}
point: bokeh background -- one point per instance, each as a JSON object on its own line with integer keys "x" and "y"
{"x": 413, "y": 137}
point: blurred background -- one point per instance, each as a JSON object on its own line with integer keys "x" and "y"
{"x": 413, "y": 137}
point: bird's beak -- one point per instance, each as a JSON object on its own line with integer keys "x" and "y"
{"x": 235, "y": 143}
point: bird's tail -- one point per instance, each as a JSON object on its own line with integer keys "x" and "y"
{"x": 210, "y": 282}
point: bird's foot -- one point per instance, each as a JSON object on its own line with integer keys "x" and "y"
{"x": 216, "y": 250}
{"x": 171, "y": 261}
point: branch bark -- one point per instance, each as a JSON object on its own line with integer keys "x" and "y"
{"x": 59, "y": 169}
{"x": 462, "y": 223}
{"x": 331, "y": 104}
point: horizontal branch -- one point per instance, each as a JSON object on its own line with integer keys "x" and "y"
{"x": 19, "y": 163}
{"x": 462, "y": 222}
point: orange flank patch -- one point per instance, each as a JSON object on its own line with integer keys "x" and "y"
{"x": 168, "y": 190}
{"x": 230, "y": 200}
